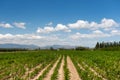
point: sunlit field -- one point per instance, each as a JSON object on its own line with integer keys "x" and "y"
{"x": 60, "y": 65}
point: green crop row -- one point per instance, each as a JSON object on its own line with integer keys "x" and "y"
{"x": 55, "y": 74}
{"x": 66, "y": 70}
{"x": 15, "y": 64}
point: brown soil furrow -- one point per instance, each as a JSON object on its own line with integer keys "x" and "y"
{"x": 95, "y": 73}
{"x": 61, "y": 71}
{"x": 48, "y": 76}
{"x": 40, "y": 73}
{"x": 81, "y": 67}
{"x": 30, "y": 71}
{"x": 73, "y": 72}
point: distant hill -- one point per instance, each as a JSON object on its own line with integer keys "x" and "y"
{"x": 58, "y": 46}
{"x": 10, "y": 45}
{"x": 22, "y": 46}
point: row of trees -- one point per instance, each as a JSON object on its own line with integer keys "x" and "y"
{"x": 74, "y": 48}
{"x": 107, "y": 44}
{"x": 12, "y": 49}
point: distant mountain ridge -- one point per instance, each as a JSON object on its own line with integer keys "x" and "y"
{"x": 58, "y": 46}
{"x": 11, "y": 45}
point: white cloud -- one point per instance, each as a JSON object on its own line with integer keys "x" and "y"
{"x": 79, "y": 24}
{"x": 97, "y": 32}
{"x": 45, "y": 30}
{"x": 8, "y": 25}
{"x": 61, "y": 27}
{"x": 105, "y": 24}
{"x": 6, "y": 36}
{"x": 30, "y": 39}
{"x": 48, "y": 29}
{"x": 20, "y": 25}
{"x": 94, "y": 34}
{"x": 115, "y": 32}
{"x": 20, "y": 36}
{"x": 50, "y": 24}
{"x": 5, "y": 25}
{"x": 51, "y": 39}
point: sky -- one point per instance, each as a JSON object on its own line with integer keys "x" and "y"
{"x": 59, "y": 22}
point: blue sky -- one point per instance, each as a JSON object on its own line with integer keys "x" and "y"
{"x": 66, "y": 22}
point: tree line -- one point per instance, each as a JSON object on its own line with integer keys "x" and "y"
{"x": 108, "y": 45}
{"x": 12, "y": 49}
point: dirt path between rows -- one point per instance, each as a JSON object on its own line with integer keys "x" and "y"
{"x": 73, "y": 72}
{"x": 48, "y": 76}
{"x": 80, "y": 66}
{"x": 95, "y": 73}
{"x": 40, "y": 73}
{"x": 61, "y": 71}
{"x": 30, "y": 71}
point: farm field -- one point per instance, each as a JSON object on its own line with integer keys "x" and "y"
{"x": 60, "y": 65}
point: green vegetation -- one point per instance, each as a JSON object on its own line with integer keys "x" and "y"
{"x": 66, "y": 71}
{"x": 46, "y": 71}
{"x": 95, "y": 65}
{"x": 55, "y": 74}
{"x": 15, "y": 64}
{"x": 12, "y": 49}
{"x": 108, "y": 46}
{"x": 105, "y": 63}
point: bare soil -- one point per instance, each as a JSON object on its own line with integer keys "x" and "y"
{"x": 81, "y": 67}
{"x": 61, "y": 71}
{"x": 48, "y": 76}
{"x": 40, "y": 73}
{"x": 30, "y": 71}
{"x": 73, "y": 72}
{"x": 95, "y": 72}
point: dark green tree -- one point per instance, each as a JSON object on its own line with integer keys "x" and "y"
{"x": 97, "y": 45}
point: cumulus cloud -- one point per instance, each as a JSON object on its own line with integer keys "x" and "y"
{"x": 20, "y": 25}
{"x": 12, "y": 25}
{"x": 115, "y": 32}
{"x": 49, "y": 24}
{"x": 40, "y": 40}
{"x": 105, "y": 24}
{"x": 48, "y": 29}
{"x": 97, "y": 32}
{"x": 19, "y": 36}
{"x": 94, "y": 34}
{"x": 5, "y": 25}
{"x": 52, "y": 39}
{"x": 45, "y": 30}
{"x": 30, "y": 39}
{"x": 79, "y": 24}
{"x": 61, "y": 27}
{"x": 6, "y": 36}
